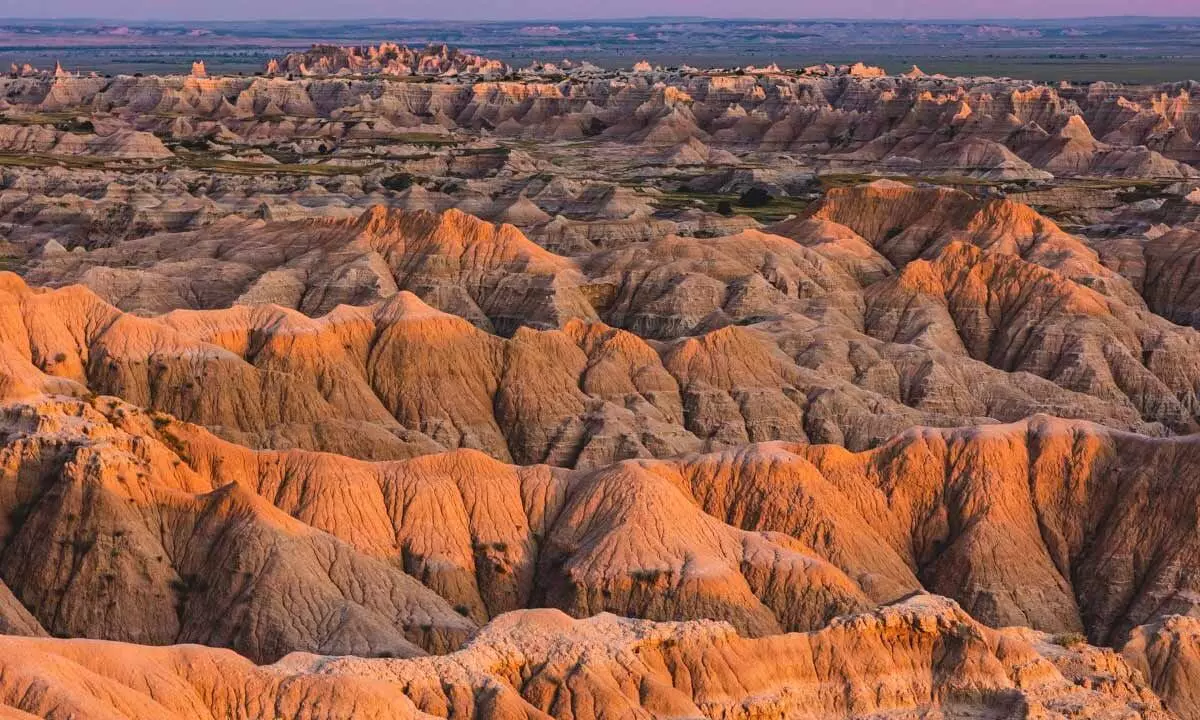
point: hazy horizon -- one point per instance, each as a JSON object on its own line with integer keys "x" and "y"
{"x": 550, "y": 10}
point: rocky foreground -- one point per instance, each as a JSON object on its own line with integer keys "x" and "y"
{"x": 896, "y": 662}
{"x": 125, "y": 523}
{"x": 131, "y": 526}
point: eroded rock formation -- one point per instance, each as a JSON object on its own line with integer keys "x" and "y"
{"x": 385, "y": 58}
{"x": 929, "y": 307}
{"x": 586, "y": 394}
{"x": 852, "y": 122}
{"x": 921, "y": 656}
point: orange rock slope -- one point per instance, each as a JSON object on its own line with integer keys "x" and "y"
{"x": 923, "y": 656}
{"x": 129, "y": 525}
{"x": 798, "y": 473}
{"x": 887, "y": 306}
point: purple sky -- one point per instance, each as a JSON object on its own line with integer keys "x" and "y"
{"x": 572, "y": 9}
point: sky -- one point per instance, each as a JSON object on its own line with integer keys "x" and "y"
{"x": 585, "y": 9}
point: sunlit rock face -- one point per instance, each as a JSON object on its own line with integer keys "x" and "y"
{"x": 398, "y": 383}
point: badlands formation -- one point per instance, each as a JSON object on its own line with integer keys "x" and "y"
{"x": 400, "y": 383}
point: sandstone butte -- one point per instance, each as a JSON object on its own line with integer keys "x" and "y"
{"x": 414, "y": 464}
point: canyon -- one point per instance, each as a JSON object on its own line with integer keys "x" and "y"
{"x": 405, "y": 382}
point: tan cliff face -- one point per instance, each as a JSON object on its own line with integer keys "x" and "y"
{"x": 1167, "y": 654}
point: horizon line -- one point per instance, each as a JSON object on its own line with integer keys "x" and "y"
{"x": 677, "y": 18}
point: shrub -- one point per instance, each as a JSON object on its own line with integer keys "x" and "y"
{"x": 1069, "y": 639}
{"x": 755, "y": 197}
{"x": 398, "y": 182}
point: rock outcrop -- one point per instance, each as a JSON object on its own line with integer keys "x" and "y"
{"x": 925, "y": 307}
{"x": 919, "y": 657}
{"x": 857, "y": 120}
{"x": 385, "y": 59}
{"x": 1167, "y": 654}
{"x": 1162, "y": 269}
{"x": 411, "y": 390}
{"x": 130, "y": 525}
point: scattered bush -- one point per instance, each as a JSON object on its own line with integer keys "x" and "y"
{"x": 1069, "y": 639}
{"x": 755, "y": 197}
{"x": 398, "y": 182}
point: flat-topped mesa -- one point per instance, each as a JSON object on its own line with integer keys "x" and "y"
{"x": 386, "y": 59}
